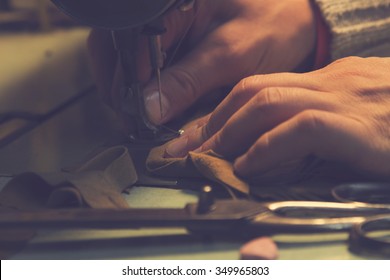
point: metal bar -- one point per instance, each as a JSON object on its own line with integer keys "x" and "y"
{"x": 111, "y": 219}
{"x": 231, "y": 217}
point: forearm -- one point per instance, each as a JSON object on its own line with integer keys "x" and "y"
{"x": 358, "y": 27}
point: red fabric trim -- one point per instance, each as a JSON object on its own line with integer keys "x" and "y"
{"x": 322, "y": 55}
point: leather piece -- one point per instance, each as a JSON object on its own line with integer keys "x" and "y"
{"x": 219, "y": 170}
{"x": 27, "y": 191}
{"x": 18, "y": 196}
{"x": 102, "y": 179}
{"x": 98, "y": 183}
{"x": 306, "y": 179}
{"x": 196, "y": 166}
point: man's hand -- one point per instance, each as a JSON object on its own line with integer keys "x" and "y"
{"x": 341, "y": 112}
{"x": 226, "y": 41}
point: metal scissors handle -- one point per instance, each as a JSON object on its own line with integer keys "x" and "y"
{"x": 314, "y": 216}
{"x": 369, "y": 193}
{"x": 362, "y": 242}
{"x": 362, "y": 239}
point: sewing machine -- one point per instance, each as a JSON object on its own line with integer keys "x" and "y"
{"x": 128, "y": 21}
{"x": 138, "y": 244}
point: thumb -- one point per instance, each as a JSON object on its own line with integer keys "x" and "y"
{"x": 179, "y": 89}
{"x": 204, "y": 69}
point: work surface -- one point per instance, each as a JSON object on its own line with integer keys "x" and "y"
{"x": 52, "y": 81}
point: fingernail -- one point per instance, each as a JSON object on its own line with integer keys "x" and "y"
{"x": 177, "y": 148}
{"x": 198, "y": 150}
{"x": 152, "y": 104}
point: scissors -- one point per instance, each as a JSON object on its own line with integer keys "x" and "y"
{"x": 362, "y": 237}
{"x": 237, "y": 217}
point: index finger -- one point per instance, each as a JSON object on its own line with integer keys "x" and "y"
{"x": 241, "y": 95}
{"x": 324, "y": 134}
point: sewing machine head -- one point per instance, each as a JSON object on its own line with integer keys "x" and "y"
{"x": 115, "y": 14}
{"x": 129, "y": 19}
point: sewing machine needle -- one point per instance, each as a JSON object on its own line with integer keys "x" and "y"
{"x": 157, "y": 62}
{"x": 158, "y": 76}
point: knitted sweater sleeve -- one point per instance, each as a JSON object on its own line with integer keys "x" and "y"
{"x": 358, "y": 27}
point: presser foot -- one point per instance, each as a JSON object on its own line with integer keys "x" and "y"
{"x": 159, "y": 135}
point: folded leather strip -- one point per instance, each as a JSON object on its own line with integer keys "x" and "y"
{"x": 98, "y": 183}
{"x": 205, "y": 165}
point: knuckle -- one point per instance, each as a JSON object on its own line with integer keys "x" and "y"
{"x": 248, "y": 83}
{"x": 272, "y": 95}
{"x": 347, "y": 60}
{"x": 345, "y": 66}
{"x": 184, "y": 84}
{"x": 311, "y": 121}
{"x": 246, "y": 88}
{"x": 356, "y": 70}
{"x": 268, "y": 98}
{"x": 243, "y": 88}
